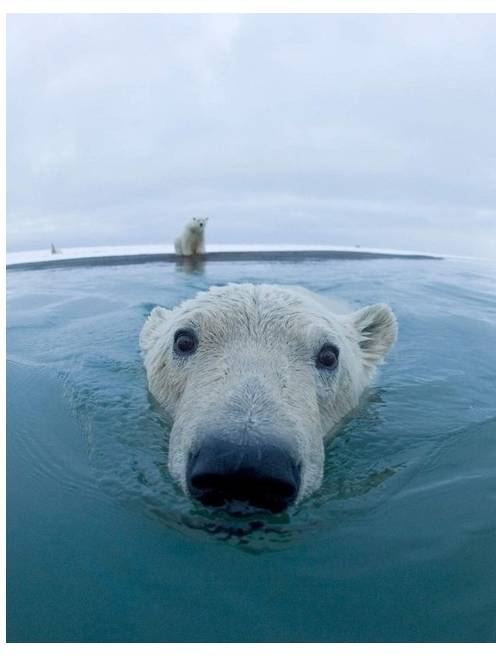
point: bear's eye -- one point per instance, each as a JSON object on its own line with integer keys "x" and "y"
{"x": 327, "y": 358}
{"x": 185, "y": 342}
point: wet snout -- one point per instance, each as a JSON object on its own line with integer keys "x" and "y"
{"x": 261, "y": 474}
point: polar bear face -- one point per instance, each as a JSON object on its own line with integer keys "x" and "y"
{"x": 198, "y": 223}
{"x": 254, "y": 377}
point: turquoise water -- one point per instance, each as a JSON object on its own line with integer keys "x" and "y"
{"x": 399, "y": 544}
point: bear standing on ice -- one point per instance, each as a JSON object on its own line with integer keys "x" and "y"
{"x": 192, "y": 240}
{"x": 254, "y": 377}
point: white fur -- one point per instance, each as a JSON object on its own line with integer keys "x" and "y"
{"x": 255, "y": 364}
{"x": 192, "y": 240}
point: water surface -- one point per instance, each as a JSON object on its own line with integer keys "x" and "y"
{"x": 399, "y": 544}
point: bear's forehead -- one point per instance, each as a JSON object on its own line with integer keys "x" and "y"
{"x": 235, "y": 299}
{"x": 236, "y": 307}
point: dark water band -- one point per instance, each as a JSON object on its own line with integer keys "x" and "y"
{"x": 228, "y": 256}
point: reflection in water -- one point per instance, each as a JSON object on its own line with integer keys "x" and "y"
{"x": 194, "y": 264}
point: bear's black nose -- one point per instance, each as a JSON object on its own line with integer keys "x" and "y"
{"x": 262, "y": 475}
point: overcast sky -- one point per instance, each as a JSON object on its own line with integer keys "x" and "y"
{"x": 317, "y": 129}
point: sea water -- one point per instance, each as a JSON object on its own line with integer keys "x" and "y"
{"x": 399, "y": 543}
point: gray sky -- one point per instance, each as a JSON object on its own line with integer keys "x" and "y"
{"x": 348, "y": 129}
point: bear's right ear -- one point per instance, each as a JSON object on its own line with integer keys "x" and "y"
{"x": 152, "y": 328}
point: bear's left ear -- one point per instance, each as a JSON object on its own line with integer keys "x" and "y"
{"x": 152, "y": 328}
{"x": 377, "y": 330}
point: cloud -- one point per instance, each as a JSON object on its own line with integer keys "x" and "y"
{"x": 369, "y": 129}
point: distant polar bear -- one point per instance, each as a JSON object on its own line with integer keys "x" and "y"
{"x": 254, "y": 377}
{"x": 192, "y": 240}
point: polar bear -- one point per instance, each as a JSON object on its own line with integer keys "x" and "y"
{"x": 192, "y": 240}
{"x": 254, "y": 378}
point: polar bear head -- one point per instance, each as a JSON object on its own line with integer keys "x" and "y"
{"x": 254, "y": 377}
{"x": 198, "y": 223}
